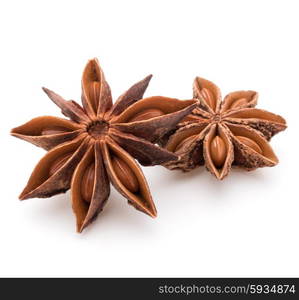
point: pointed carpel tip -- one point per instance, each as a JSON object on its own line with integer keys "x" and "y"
{"x": 153, "y": 214}
{"x": 79, "y": 228}
{"x": 220, "y": 176}
{"x": 12, "y": 132}
{"x": 47, "y": 91}
{"x": 149, "y": 77}
{"x": 22, "y": 196}
{"x": 94, "y": 61}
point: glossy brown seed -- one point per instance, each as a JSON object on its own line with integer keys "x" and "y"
{"x": 87, "y": 182}
{"x": 125, "y": 174}
{"x": 208, "y": 97}
{"x": 250, "y": 143}
{"x": 58, "y": 163}
{"x": 218, "y": 151}
{"x": 53, "y": 130}
{"x": 147, "y": 114}
{"x": 185, "y": 142}
{"x": 94, "y": 93}
{"x": 238, "y": 103}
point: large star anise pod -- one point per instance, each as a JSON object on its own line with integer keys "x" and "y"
{"x": 99, "y": 143}
{"x": 219, "y": 134}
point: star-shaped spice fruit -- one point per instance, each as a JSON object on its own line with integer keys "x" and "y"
{"x": 219, "y": 134}
{"x": 99, "y": 143}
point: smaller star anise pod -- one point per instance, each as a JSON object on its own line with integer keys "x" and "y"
{"x": 219, "y": 134}
{"x": 99, "y": 143}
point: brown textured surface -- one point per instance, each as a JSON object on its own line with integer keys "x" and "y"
{"x": 227, "y": 119}
{"x": 32, "y": 131}
{"x": 94, "y": 137}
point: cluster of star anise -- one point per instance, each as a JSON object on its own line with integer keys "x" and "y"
{"x": 100, "y": 141}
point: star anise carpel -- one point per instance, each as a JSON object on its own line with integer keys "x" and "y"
{"x": 221, "y": 133}
{"x": 99, "y": 143}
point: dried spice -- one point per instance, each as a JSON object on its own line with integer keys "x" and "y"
{"x": 99, "y": 143}
{"x": 219, "y": 134}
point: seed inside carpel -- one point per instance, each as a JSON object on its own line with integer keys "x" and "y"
{"x": 185, "y": 142}
{"x": 125, "y": 175}
{"x": 94, "y": 93}
{"x": 147, "y": 114}
{"x": 208, "y": 97}
{"x": 218, "y": 151}
{"x": 87, "y": 182}
{"x": 53, "y": 130}
{"x": 58, "y": 163}
{"x": 238, "y": 103}
{"x": 250, "y": 143}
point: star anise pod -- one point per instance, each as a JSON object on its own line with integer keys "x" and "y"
{"x": 219, "y": 134}
{"x": 99, "y": 143}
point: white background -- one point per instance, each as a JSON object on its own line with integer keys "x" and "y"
{"x": 246, "y": 225}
